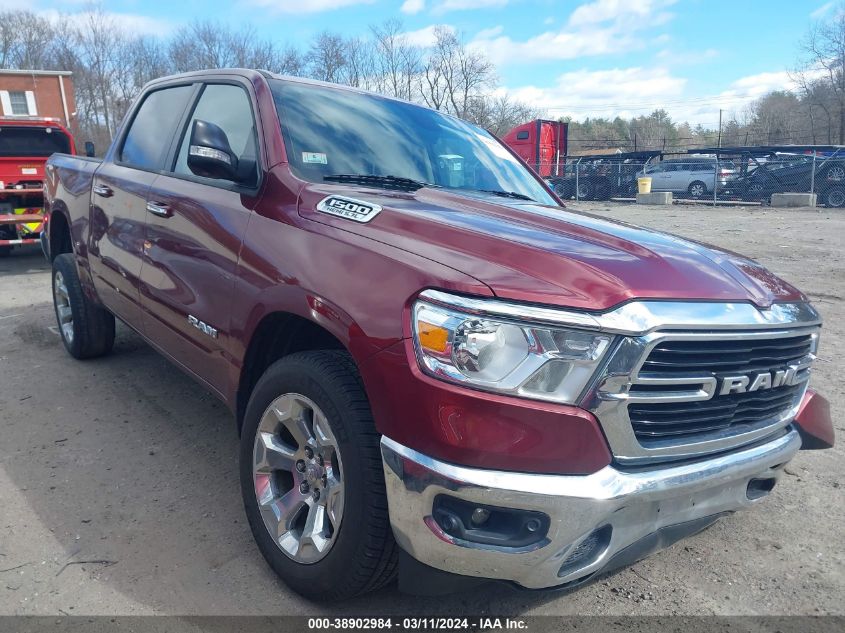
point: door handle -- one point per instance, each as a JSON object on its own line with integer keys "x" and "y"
{"x": 103, "y": 190}
{"x": 160, "y": 209}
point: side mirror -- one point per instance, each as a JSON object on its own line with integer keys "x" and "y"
{"x": 89, "y": 149}
{"x": 209, "y": 153}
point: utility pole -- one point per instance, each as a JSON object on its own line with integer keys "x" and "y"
{"x": 720, "y": 127}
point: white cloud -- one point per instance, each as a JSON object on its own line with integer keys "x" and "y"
{"x": 445, "y": 6}
{"x": 612, "y": 10}
{"x": 822, "y": 10}
{"x": 131, "y": 23}
{"x": 306, "y": 6}
{"x": 631, "y": 92}
{"x": 425, "y": 36}
{"x": 412, "y": 6}
{"x": 485, "y": 34}
{"x": 553, "y": 45}
{"x": 584, "y": 93}
{"x": 598, "y": 28}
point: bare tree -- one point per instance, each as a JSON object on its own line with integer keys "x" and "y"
{"x": 396, "y": 62}
{"x": 500, "y": 113}
{"x": 25, "y": 40}
{"x": 110, "y": 64}
{"x": 327, "y": 57}
{"x": 824, "y": 65}
{"x": 454, "y": 75}
{"x": 291, "y": 62}
{"x": 358, "y": 70}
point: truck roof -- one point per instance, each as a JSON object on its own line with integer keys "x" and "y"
{"x": 31, "y": 121}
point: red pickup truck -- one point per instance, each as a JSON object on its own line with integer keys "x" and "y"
{"x": 434, "y": 366}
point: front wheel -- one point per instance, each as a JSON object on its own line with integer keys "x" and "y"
{"x": 312, "y": 480}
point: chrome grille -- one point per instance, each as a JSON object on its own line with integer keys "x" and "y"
{"x": 658, "y": 397}
{"x": 738, "y": 356}
{"x": 688, "y": 419}
{"x": 691, "y": 419}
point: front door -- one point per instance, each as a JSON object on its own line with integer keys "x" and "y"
{"x": 195, "y": 228}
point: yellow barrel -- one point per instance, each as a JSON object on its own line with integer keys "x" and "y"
{"x": 644, "y": 185}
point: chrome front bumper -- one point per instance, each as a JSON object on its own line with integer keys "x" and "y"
{"x": 636, "y": 505}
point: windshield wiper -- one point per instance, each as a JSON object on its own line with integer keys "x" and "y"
{"x": 389, "y": 182}
{"x": 507, "y": 194}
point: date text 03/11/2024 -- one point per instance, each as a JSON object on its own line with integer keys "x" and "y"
{"x": 417, "y": 623}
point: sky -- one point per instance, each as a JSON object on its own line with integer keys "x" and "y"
{"x": 569, "y": 57}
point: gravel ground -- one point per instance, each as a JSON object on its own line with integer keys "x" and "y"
{"x": 119, "y": 493}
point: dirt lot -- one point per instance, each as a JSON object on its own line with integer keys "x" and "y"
{"x": 119, "y": 493}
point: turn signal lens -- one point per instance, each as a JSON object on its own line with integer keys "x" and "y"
{"x": 433, "y": 338}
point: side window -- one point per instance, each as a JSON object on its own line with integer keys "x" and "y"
{"x": 151, "y": 131}
{"x": 228, "y": 107}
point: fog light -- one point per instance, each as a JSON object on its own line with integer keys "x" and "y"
{"x": 489, "y": 525}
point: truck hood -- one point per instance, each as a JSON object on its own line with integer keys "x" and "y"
{"x": 530, "y": 252}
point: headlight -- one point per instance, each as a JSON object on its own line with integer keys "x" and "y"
{"x": 506, "y": 356}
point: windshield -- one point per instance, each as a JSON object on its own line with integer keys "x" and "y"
{"x": 32, "y": 141}
{"x": 329, "y": 132}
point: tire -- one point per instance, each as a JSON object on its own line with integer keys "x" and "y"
{"x": 585, "y": 191}
{"x": 86, "y": 329}
{"x": 359, "y": 553}
{"x": 835, "y": 197}
{"x": 697, "y": 190}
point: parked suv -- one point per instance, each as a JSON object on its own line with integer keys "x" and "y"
{"x": 432, "y": 364}
{"x": 693, "y": 176}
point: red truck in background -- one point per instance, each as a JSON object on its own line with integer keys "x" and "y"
{"x": 25, "y": 145}
{"x": 542, "y": 144}
{"x": 434, "y": 366}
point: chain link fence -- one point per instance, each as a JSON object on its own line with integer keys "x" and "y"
{"x": 740, "y": 177}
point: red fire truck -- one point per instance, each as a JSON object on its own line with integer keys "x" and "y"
{"x": 25, "y": 145}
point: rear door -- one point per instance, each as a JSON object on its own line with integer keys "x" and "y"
{"x": 119, "y": 199}
{"x": 195, "y": 228}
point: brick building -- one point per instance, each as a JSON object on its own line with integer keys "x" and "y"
{"x": 41, "y": 93}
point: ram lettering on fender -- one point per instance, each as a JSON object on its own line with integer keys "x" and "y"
{"x": 349, "y": 208}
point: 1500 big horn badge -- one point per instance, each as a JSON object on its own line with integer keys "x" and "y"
{"x": 349, "y": 208}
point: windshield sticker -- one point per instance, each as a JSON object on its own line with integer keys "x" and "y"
{"x": 314, "y": 158}
{"x": 349, "y": 208}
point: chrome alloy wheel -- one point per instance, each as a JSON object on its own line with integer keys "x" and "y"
{"x": 298, "y": 479}
{"x": 63, "y": 309}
